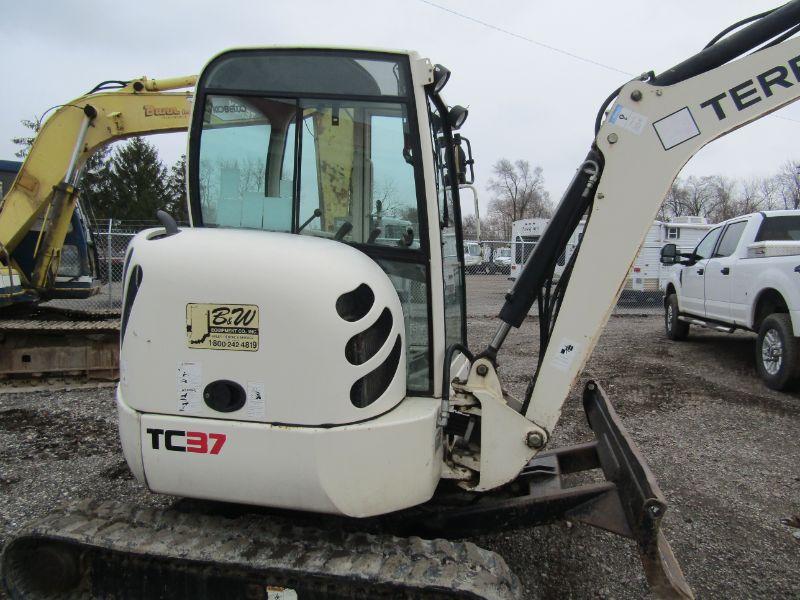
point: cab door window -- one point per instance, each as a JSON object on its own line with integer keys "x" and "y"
{"x": 706, "y": 245}
{"x": 730, "y": 239}
{"x": 452, "y": 260}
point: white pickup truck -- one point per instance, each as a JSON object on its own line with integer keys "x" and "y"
{"x": 744, "y": 274}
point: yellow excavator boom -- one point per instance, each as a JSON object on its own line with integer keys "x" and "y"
{"x": 45, "y": 187}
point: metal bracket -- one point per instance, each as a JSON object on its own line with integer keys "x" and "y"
{"x": 507, "y": 439}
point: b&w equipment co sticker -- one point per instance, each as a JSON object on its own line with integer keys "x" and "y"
{"x": 627, "y": 119}
{"x": 222, "y": 326}
{"x": 676, "y": 128}
{"x": 566, "y": 353}
{"x": 256, "y": 403}
{"x": 189, "y": 380}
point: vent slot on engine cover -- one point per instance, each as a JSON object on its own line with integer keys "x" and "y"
{"x": 355, "y": 305}
{"x": 369, "y": 388}
{"x": 363, "y": 346}
{"x": 134, "y": 282}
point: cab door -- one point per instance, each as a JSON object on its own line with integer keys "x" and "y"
{"x": 692, "y": 296}
{"x": 452, "y": 239}
{"x": 718, "y": 273}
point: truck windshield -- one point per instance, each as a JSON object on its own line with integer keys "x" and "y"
{"x": 779, "y": 229}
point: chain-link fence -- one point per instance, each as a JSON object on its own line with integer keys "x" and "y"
{"x": 491, "y": 267}
{"x": 111, "y": 245}
{"x": 111, "y": 239}
{"x": 501, "y": 261}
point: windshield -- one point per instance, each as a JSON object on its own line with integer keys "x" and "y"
{"x": 503, "y": 253}
{"x": 779, "y": 229}
{"x": 472, "y": 249}
{"x": 335, "y": 169}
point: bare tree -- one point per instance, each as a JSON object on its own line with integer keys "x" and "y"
{"x": 766, "y": 190}
{"x": 788, "y": 183}
{"x": 750, "y": 198}
{"x": 675, "y": 202}
{"x": 697, "y": 196}
{"x": 517, "y": 193}
{"x": 721, "y": 203}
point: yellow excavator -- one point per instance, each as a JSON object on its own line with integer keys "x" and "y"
{"x": 47, "y": 250}
{"x": 36, "y": 215}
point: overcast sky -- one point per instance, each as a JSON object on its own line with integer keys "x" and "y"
{"x": 525, "y": 101}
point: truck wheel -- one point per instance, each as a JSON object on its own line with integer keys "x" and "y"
{"x": 777, "y": 352}
{"x": 676, "y": 330}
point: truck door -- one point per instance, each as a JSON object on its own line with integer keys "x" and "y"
{"x": 692, "y": 296}
{"x": 718, "y": 273}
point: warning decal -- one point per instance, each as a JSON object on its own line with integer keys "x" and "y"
{"x": 627, "y": 119}
{"x": 565, "y": 355}
{"x": 222, "y": 326}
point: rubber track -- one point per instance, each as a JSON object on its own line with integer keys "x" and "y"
{"x": 133, "y": 552}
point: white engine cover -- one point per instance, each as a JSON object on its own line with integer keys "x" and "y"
{"x": 290, "y": 360}
{"x": 360, "y": 470}
{"x": 259, "y": 309}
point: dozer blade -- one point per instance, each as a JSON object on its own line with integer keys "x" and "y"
{"x": 628, "y": 503}
{"x": 637, "y": 495}
{"x": 114, "y": 550}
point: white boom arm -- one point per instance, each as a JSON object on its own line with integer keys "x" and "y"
{"x": 651, "y": 131}
{"x": 646, "y": 142}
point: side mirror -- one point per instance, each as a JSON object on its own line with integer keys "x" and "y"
{"x": 669, "y": 254}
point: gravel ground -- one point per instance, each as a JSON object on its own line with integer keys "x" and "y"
{"x": 723, "y": 447}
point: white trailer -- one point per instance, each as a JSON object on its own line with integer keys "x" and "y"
{"x": 647, "y": 274}
{"x": 525, "y": 234}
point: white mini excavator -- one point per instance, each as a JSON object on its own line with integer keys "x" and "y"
{"x": 302, "y": 346}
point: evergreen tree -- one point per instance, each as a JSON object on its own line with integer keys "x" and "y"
{"x": 94, "y": 185}
{"x": 25, "y": 142}
{"x": 137, "y": 184}
{"x": 176, "y": 187}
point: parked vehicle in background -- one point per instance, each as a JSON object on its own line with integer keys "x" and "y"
{"x": 525, "y": 234}
{"x": 473, "y": 258}
{"x": 648, "y": 276}
{"x": 501, "y": 259}
{"x": 744, "y": 274}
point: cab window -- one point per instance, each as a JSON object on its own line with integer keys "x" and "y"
{"x": 452, "y": 263}
{"x": 730, "y": 239}
{"x": 706, "y": 245}
{"x": 779, "y": 229}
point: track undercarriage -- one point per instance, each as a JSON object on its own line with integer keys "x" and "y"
{"x": 201, "y": 549}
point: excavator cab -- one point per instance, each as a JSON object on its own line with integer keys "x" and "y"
{"x": 337, "y": 145}
{"x": 305, "y": 312}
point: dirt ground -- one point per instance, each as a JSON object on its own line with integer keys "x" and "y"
{"x": 724, "y": 449}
